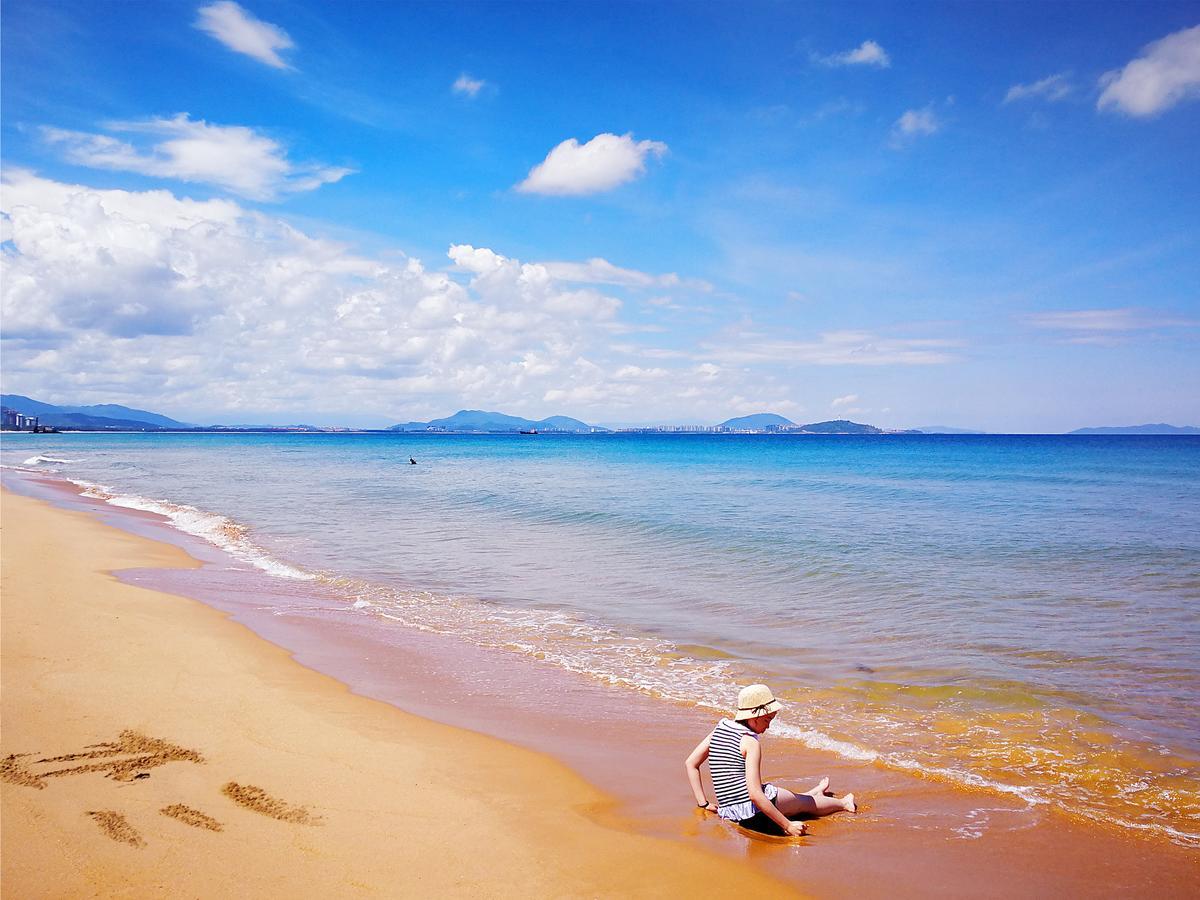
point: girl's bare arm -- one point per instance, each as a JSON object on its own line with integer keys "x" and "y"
{"x": 692, "y": 765}
{"x": 753, "y": 754}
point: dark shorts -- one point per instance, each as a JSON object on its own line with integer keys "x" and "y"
{"x": 761, "y": 823}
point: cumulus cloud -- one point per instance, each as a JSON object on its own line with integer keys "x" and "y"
{"x": 147, "y": 294}
{"x": 232, "y": 157}
{"x": 848, "y": 400}
{"x": 468, "y": 86}
{"x": 147, "y": 298}
{"x": 241, "y": 32}
{"x": 1167, "y": 73}
{"x": 1051, "y": 88}
{"x": 868, "y": 53}
{"x": 603, "y": 163}
{"x": 536, "y": 289}
{"x": 914, "y": 123}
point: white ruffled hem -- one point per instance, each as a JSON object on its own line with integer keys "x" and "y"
{"x": 739, "y": 812}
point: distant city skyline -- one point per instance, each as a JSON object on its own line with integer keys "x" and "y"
{"x": 981, "y": 215}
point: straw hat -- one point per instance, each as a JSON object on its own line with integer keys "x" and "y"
{"x": 754, "y": 701}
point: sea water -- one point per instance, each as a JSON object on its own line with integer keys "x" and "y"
{"x": 1011, "y": 613}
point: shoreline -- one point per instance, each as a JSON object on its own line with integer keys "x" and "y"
{"x": 1071, "y": 854}
{"x": 200, "y": 758}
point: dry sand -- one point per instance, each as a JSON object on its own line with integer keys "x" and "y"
{"x": 153, "y": 747}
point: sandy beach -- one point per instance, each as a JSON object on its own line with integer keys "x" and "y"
{"x": 155, "y": 748}
{"x": 155, "y": 745}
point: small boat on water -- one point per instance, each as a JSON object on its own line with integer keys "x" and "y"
{"x": 532, "y": 431}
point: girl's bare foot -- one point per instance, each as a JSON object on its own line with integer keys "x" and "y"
{"x": 848, "y": 803}
{"x": 821, "y": 788}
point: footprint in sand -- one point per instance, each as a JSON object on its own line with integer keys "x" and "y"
{"x": 116, "y": 827}
{"x": 192, "y": 817}
{"x": 260, "y": 801}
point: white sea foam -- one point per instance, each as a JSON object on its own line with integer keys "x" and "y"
{"x": 977, "y": 821}
{"x": 218, "y": 530}
{"x": 1184, "y": 838}
{"x": 970, "y": 779}
{"x": 820, "y": 741}
{"x": 47, "y": 460}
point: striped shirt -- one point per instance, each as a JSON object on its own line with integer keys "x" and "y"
{"x": 728, "y": 768}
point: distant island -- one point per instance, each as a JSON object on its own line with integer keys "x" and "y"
{"x": 756, "y": 422}
{"x": 772, "y": 423}
{"x": 477, "y": 420}
{"x": 1160, "y": 428}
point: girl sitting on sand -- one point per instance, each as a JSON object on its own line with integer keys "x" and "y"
{"x": 735, "y": 761}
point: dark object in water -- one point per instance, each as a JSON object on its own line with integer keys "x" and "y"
{"x": 859, "y": 667}
{"x": 411, "y": 461}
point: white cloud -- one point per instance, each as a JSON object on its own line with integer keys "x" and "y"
{"x": 1167, "y": 73}
{"x": 868, "y": 53}
{"x": 837, "y": 348}
{"x": 600, "y": 271}
{"x": 243, "y": 33}
{"x": 914, "y": 123}
{"x": 1104, "y": 325}
{"x": 128, "y": 295}
{"x": 637, "y": 372}
{"x": 468, "y": 86}
{"x": 848, "y": 400}
{"x": 232, "y": 157}
{"x": 1051, "y": 88}
{"x": 531, "y": 284}
{"x": 601, "y": 164}
{"x": 153, "y": 300}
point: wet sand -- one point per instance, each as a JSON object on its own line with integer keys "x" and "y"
{"x": 152, "y": 747}
{"x": 914, "y": 837}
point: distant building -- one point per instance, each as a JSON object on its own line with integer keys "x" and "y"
{"x": 11, "y": 420}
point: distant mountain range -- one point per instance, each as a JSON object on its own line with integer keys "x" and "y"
{"x": 475, "y": 420}
{"x": 479, "y": 420}
{"x": 112, "y": 417}
{"x": 1160, "y": 428}
{"x": 105, "y": 416}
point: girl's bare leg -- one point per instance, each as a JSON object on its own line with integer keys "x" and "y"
{"x": 814, "y": 803}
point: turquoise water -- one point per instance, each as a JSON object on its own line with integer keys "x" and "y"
{"x": 1014, "y": 613}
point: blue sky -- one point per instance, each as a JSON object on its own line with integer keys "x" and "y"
{"x": 978, "y": 215}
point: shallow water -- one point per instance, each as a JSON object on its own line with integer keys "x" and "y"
{"x": 1014, "y": 613}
